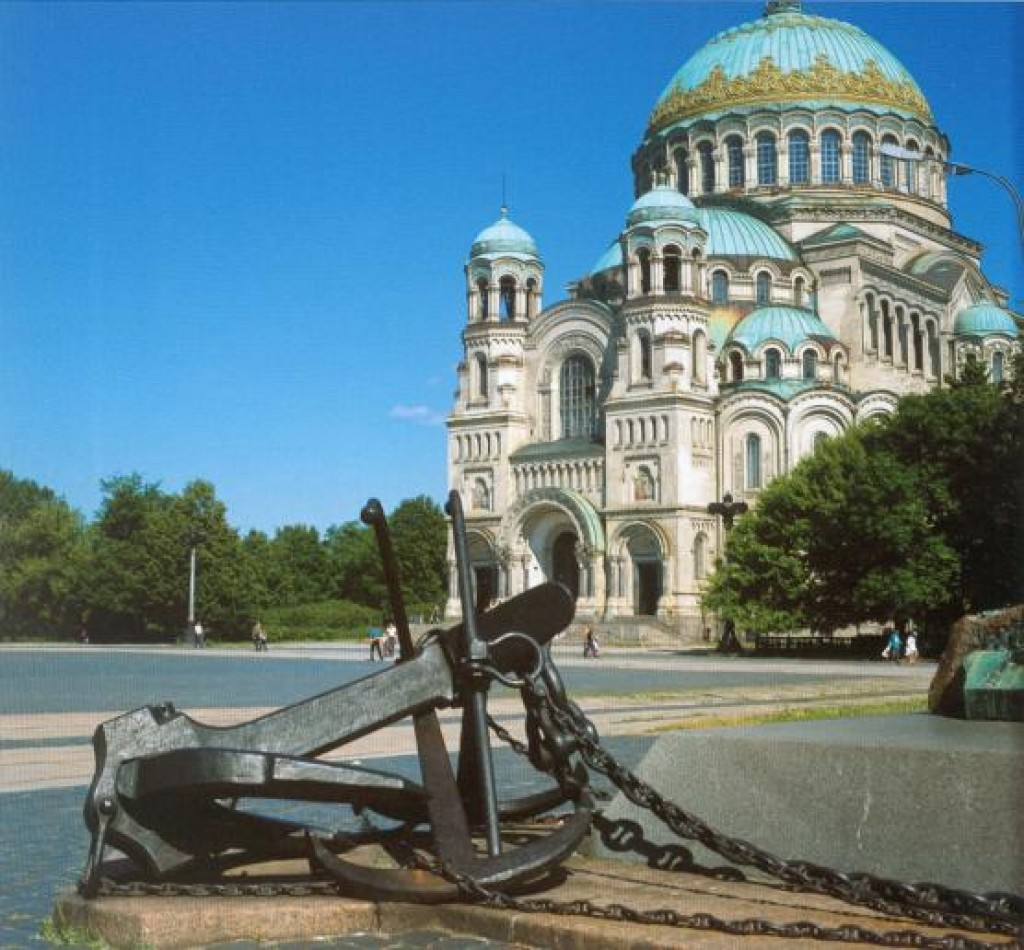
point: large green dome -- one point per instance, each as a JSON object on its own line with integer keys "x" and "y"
{"x": 788, "y": 56}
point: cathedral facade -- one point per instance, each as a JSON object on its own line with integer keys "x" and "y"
{"x": 787, "y": 270}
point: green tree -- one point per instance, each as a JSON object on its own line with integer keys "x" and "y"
{"x": 967, "y": 443}
{"x": 298, "y": 571}
{"x": 420, "y": 534}
{"x": 227, "y": 597}
{"x": 41, "y": 551}
{"x": 135, "y": 581}
{"x": 354, "y": 566}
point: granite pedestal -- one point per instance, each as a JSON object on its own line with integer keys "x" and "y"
{"x": 913, "y": 797}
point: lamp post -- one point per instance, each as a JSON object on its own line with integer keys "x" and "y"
{"x": 728, "y": 509}
{"x": 190, "y": 630}
{"x": 958, "y": 168}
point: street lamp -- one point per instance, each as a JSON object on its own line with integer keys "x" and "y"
{"x": 728, "y": 510}
{"x": 958, "y": 168}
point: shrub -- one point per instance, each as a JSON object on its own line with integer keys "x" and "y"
{"x": 322, "y": 620}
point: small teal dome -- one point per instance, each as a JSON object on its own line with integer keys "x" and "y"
{"x": 736, "y": 234}
{"x": 788, "y": 56}
{"x": 662, "y": 203}
{"x": 503, "y": 237}
{"x": 789, "y": 326}
{"x": 612, "y": 257}
{"x": 985, "y": 319}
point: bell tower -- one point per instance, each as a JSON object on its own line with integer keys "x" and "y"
{"x": 504, "y": 286}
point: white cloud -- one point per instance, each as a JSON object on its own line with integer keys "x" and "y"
{"x": 424, "y": 415}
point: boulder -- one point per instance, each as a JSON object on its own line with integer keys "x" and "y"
{"x": 969, "y": 633}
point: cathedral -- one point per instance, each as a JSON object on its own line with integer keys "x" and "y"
{"x": 787, "y": 270}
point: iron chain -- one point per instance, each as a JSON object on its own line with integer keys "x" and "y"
{"x": 932, "y": 904}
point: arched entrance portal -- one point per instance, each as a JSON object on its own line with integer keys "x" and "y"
{"x": 564, "y": 567}
{"x": 648, "y": 588}
{"x": 638, "y": 571}
{"x": 555, "y": 534}
{"x": 645, "y": 553}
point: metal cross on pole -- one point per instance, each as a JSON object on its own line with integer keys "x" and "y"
{"x": 728, "y": 510}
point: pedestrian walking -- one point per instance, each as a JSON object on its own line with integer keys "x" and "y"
{"x": 591, "y": 648}
{"x": 376, "y": 644}
{"x": 390, "y": 639}
{"x": 893, "y": 647}
{"x": 911, "y": 652}
{"x": 259, "y": 637}
{"x": 198, "y": 636}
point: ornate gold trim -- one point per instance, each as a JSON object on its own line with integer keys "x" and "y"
{"x": 768, "y": 84}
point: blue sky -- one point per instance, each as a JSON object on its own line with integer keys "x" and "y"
{"x": 232, "y": 235}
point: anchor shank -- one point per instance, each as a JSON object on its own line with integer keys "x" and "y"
{"x": 474, "y": 651}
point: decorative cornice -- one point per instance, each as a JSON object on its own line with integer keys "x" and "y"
{"x": 781, "y": 214}
{"x": 905, "y": 281}
{"x": 767, "y": 83}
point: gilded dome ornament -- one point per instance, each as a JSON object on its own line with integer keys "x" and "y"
{"x": 768, "y": 84}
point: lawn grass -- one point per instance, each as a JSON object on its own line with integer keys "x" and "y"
{"x": 910, "y": 704}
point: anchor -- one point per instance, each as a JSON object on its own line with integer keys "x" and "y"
{"x": 166, "y": 787}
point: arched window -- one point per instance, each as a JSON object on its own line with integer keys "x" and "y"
{"x": 482, "y": 381}
{"x": 736, "y": 366}
{"x": 531, "y": 298}
{"x": 682, "y": 171}
{"x": 507, "y": 299}
{"x": 909, "y": 175}
{"x": 800, "y": 292}
{"x": 753, "y": 467}
{"x": 645, "y": 354}
{"x": 700, "y": 356}
{"x": 810, "y": 362}
{"x": 917, "y": 342}
{"x": 934, "y": 353}
{"x": 799, "y": 157}
{"x": 578, "y": 397}
{"x": 861, "y": 158}
{"x": 767, "y": 160}
{"x": 831, "y": 155}
{"x": 886, "y": 330}
{"x": 700, "y": 556}
{"x": 719, "y": 287}
{"x": 644, "y": 256}
{"x": 928, "y": 185}
{"x": 902, "y": 337}
{"x": 872, "y": 318}
{"x": 484, "y": 297}
{"x": 734, "y": 156}
{"x": 772, "y": 364}
{"x": 888, "y": 164}
{"x": 707, "y": 167}
{"x": 672, "y": 262}
{"x": 997, "y": 366}
{"x": 763, "y": 287}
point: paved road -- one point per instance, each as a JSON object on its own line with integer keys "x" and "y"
{"x": 51, "y": 699}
